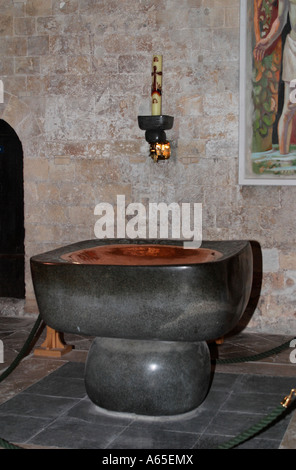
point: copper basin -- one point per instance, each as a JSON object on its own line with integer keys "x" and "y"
{"x": 142, "y": 255}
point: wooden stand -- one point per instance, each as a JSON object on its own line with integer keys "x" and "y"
{"x": 220, "y": 340}
{"x": 53, "y": 345}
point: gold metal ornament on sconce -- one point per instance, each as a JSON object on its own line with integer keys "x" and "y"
{"x": 160, "y": 151}
{"x": 155, "y": 126}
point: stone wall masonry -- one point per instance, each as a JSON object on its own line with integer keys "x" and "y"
{"x": 76, "y": 76}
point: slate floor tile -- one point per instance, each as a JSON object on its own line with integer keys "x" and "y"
{"x": 259, "y": 444}
{"x": 265, "y": 385}
{"x": 20, "y": 429}
{"x": 195, "y": 422}
{"x": 42, "y": 406}
{"x": 73, "y": 433}
{"x": 255, "y": 403}
{"x": 88, "y": 411}
{"x": 229, "y": 423}
{"x": 148, "y": 438}
{"x": 59, "y": 386}
{"x": 71, "y": 370}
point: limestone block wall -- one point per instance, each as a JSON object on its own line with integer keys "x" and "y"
{"x": 76, "y": 75}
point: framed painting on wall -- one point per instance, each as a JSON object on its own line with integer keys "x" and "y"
{"x": 267, "y": 134}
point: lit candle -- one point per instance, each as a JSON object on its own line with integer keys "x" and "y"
{"x": 156, "y": 85}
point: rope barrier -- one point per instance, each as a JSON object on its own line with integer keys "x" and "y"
{"x": 252, "y": 431}
{"x": 275, "y": 414}
{"x": 8, "y": 445}
{"x": 261, "y": 425}
{"x": 3, "y": 443}
{"x": 23, "y": 351}
{"x": 254, "y": 357}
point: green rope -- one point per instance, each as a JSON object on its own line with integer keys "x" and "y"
{"x": 7, "y": 445}
{"x": 254, "y": 357}
{"x": 252, "y": 431}
{"x": 255, "y": 429}
{"x": 22, "y": 352}
{"x": 3, "y": 443}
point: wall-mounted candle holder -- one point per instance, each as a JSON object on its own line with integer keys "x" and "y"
{"x": 155, "y": 127}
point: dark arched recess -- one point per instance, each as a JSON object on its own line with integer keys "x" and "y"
{"x": 12, "y": 283}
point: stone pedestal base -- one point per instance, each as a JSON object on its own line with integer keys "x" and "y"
{"x": 155, "y": 378}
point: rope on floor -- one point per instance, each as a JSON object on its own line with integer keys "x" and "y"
{"x": 274, "y": 415}
{"x": 23, "y": 351}
{"x": 8, "y": 445}
{"x": 255, "y": 357}
{"x": 261, "y": 425}
{"x": 3, "y": 443}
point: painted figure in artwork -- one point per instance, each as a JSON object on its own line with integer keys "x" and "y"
{"x": 285, "y": 7}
